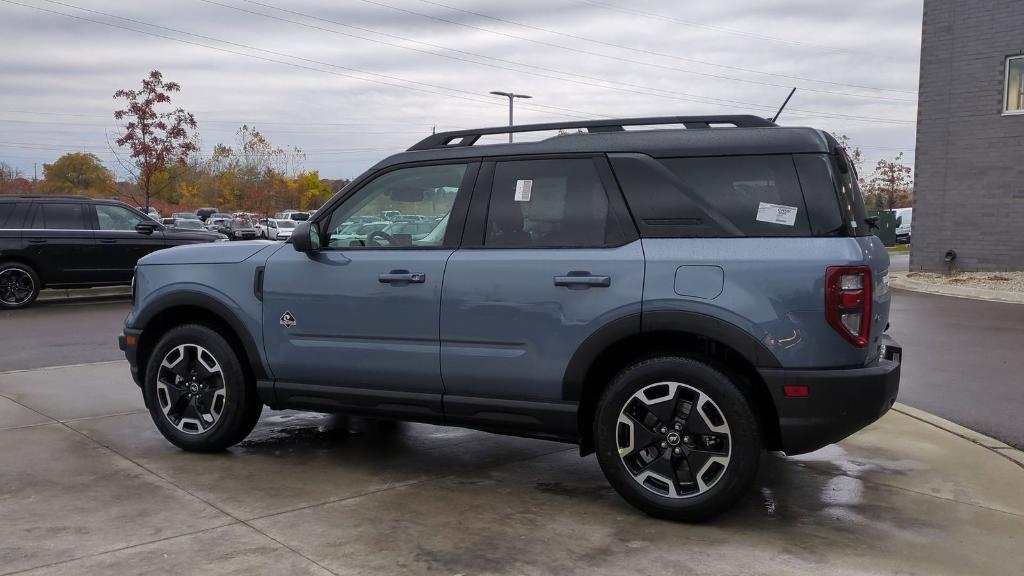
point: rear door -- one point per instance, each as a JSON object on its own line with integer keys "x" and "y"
{"x": 549, "y": 257}
{"x": 60, "y": 240}
{"x": 119, "y": 244}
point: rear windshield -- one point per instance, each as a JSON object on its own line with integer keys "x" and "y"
{"x": 714, "y": 196}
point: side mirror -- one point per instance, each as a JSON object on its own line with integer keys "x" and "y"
{"x": 306, "y": 237}
{"x": 146, "y": 228}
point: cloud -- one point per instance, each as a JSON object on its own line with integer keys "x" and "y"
{"x": 376, "y": 75}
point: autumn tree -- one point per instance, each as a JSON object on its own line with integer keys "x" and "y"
{"x": 856, "y": 157}
{"x": 891, "y": 185}
{"x": 156, "y": 135}
{"x": 12, "y": 180}
{"x": 78, "y": 173}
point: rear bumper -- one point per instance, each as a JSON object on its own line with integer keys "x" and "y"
{"x": 839, "y": 402}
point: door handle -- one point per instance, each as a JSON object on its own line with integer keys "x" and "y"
{"x": 582, "y": 280}
{"x": 36, "y": 241}
{"x": 108, "y": 241}
{"x": 402, "y": 277}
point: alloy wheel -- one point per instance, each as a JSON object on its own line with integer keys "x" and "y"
{"x": 16, "y": 286}
{"x": 190, "y": 389}
{"x": 673, "y": 440}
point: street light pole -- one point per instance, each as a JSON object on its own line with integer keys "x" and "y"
{"x": 511, "y": 98}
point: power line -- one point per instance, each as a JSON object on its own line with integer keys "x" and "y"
{"x": 618, "y": 46}
{"x": 738, "y": 32}
{"x": 673, "y": 94}
{"x": 471, "y": 95}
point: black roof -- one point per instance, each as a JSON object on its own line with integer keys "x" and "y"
{"x": 701, "y": 137}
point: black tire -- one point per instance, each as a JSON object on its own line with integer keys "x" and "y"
{"x": 742, "y": 437}
{"x": 240, "y": 406}
{"x": 19, "y": 285}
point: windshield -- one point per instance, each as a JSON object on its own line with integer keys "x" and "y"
{"x": 239, "y": 223}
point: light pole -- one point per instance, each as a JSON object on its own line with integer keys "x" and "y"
{"x": 511, "y": 97}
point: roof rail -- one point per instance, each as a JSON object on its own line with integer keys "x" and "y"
{"x": 469, "y": 137}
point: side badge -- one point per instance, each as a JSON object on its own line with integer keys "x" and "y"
{"x": 287, "y": 320}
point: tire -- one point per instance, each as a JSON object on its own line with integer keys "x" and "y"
{"x": 19, "y": 285}
{"x": 197, "y": 392}
{"x": 722, "y": 439}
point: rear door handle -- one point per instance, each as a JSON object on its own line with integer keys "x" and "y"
{"x": 580, "y": 280}
{"x": 402, "y": 277}
{"x": 108, "y": 241}
{"x": 36, "y": 241}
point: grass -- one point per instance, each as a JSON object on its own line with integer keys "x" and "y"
{"x": 899, "y": 249}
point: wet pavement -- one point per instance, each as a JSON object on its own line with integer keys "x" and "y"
{"x": 88, "y": 486}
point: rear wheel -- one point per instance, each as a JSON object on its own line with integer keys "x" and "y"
{"x": 677, "y": 439}
{"x": 197, "y": 392}
{"x": 19, "y": 285}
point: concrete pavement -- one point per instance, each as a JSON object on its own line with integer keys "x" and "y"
{"x": 88, "y": 486}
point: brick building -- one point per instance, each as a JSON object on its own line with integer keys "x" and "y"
{"x": 969, "y": 193}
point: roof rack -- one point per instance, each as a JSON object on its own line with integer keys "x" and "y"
{"x": 458, "y": 138}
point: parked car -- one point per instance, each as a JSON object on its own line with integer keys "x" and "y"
{"x": 297, "y": 215}
{"x": 237, "y": 229}
{"x": 187, "y": 224}
{"x": 279, "y": 229}
{"x": 674, "y": 300}
{"x": 185, "y": 216}
{"x": 904, "y": 217}
{"x": 153, "y": 213}
{"x": 205, "y": 213}
{"x": 75, "y": 242}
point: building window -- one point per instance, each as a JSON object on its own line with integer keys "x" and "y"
{"x": 1014, "y": 101}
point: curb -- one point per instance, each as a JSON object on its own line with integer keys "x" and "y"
{"x": 901, "y": 282}
{"x": 998, "y": 447}
{"x": 55, "y": 295}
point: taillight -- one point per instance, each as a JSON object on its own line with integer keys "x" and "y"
{"x": 848, "y": 302}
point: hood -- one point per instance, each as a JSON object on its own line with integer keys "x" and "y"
{"x": 213, "y": 253}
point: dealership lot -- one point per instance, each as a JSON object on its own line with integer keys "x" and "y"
{"x": 90, "y": 487}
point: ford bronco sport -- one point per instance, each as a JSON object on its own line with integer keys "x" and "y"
{"x": 675, "y": 300}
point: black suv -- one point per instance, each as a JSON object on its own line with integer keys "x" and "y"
{"x": 75, "y": 242}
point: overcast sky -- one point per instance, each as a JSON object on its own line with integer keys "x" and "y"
{"x": 352, "y": 81}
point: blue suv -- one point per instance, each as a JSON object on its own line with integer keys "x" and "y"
{"x": 675, "y": 300}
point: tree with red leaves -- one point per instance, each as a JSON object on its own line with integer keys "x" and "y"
{"x": 155, "y": 138}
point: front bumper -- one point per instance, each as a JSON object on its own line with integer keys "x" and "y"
{"x": 838, "y": 403}
{"x": 129, "y": 344}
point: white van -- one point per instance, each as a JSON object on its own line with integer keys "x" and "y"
{"x": 903, "y": 218}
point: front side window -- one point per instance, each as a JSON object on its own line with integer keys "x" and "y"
{"x": 368, "y": 217}
{"x": 116, "y": 217}
{"x": 1014, "y": 85}
{"x": 64, "y": 216}
{"x": 549, "y": 204}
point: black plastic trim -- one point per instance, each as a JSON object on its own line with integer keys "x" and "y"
{"x": 417, "y": 406}
{"x": 591, "y": 349}
{"x": 546, "y": 419}
{"x": 200, "y": 300}
{"x": 710, "y": 327}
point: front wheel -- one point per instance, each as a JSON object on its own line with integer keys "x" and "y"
{"x": 197, "y": 392}
{"x": 677, "y": 439}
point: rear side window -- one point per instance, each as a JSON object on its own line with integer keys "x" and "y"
{"x": 549, "y": 204}
{"x": 6, "y": 213}
{"x": 851, "y": 199}
{"x": 725, "y": 196}
{"x": 58, "y": 216}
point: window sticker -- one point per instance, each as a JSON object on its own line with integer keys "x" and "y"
{"x": 523, "y": 190}
{"x": 776, "y": 214}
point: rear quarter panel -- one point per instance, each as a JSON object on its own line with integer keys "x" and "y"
{"x": 773, "y": 288}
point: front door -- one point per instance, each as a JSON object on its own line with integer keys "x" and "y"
{"x": 354, "y": 326}
{"x": 119, "y": 244}
{"x": 554, "y": 260}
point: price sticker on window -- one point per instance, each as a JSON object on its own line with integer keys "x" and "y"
{"x": 776, "y": 214}
{"x": 523, "y": 190}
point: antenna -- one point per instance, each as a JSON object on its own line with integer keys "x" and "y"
{"x": 781, "y": 108}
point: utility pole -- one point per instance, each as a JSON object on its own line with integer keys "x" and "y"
{"x": 511, "y": 98}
